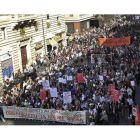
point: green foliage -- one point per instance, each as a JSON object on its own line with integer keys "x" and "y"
{"x": 59, "y": 23}
{"x": 48, "y": 24}
{"x": 22, "y": 32}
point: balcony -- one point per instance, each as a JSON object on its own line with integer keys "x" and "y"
{"x": 20, "y": 19}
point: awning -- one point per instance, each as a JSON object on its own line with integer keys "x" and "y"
{"x": 47, "y": 42}
{"x": 53, "y": 42}
{"x": 57, "y": 39}
{"x": 68, "y": 34}
{"x": 38, "y": 46}
{"x": 71, "y": 38}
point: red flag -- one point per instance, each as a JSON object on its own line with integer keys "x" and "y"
{"x": 115, "y": 95}
{"x": 80, "y": 78}
{"x": 43, "y": 94}
{"x": 137, "y": 118}
{"x": 111, "y": 87}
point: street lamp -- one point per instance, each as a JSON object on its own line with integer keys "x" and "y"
{"x": 44, "y": 40}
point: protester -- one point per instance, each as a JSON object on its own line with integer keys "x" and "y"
{"x": 110, "y": 65}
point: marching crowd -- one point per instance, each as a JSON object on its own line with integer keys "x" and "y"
{"x": 118, "y": 66}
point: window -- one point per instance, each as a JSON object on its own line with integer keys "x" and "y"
{"x": 48, "y": 17}
{"x": 71, "y": 15}
{"x": 87, "y": 24}
{"x": 83, "y": 26}
{"x": 4, "y": 34}
{"x": 70, "y": 27}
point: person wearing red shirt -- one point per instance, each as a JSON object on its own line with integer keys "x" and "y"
{"x": 128, "y": 82}
{"x": 134, "y": 62}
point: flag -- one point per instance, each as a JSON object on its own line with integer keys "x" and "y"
{"x": 111, "y": 87}
{"x": 115, "y": 95}
{"x": 80, "y": 78}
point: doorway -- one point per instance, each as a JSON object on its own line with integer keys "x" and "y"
{"x": 24, "y": 56}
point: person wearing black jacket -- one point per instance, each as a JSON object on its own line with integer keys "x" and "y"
{"x": 137, "y": 77}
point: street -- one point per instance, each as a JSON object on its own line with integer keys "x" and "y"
{"x": 123, "y": 121}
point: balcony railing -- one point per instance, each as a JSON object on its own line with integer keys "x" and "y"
{"x": 22, "y": 16}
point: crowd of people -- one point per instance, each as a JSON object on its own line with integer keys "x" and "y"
{"x": 118, "y": 66}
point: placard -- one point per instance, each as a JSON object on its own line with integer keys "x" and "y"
{"x": 67, "y": 97}
{"x": 60, "y": 80}
{"x": 64, "y": 81}
{"x": 69, "y": 78}
{"x": 80, "y": 78}
{"x": 46, "y": 84}
{"x": 53, "y": 92}
{"x": 42, "y": 94}
{"x": 132, "y": 83}
{"x": 101, "y": 77}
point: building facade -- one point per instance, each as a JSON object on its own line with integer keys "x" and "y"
{"x": 77, "y": 23}
{"x": 22, "y": 37}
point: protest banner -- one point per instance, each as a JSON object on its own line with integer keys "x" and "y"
{"x": 114, "y": 41}
{"x": 111, "y": 87}
{"x": 60, "y": 80}
{"x": 100, "y": 77}
{"x": 46, "y": 84}
{"x": 69, "y": 78}
{"x": 80, "y": 78}
{"x": 67, "y": 97}
{"x": 43, "y": 94}
{"x": 132, "y": 83}
{"x": 115, "y": 95}
{"x": 53, "y": 92}
{"x": 74, "y": 117}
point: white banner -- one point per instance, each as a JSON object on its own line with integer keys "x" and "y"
{"x": 69, "y": 78}
{"x": 67, "y": 97}
{"x": 46, "y": 84}
{"x": 53, "y": 92}
{"x": 74, "y": 117}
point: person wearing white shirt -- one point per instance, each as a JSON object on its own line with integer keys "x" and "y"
{"x": 28, "y": 87}
{"x": 129, "y": 90}
{"x": 30, "y": 68}
{"x": 25, "y": 70}
{"x": 83, "y": 97}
